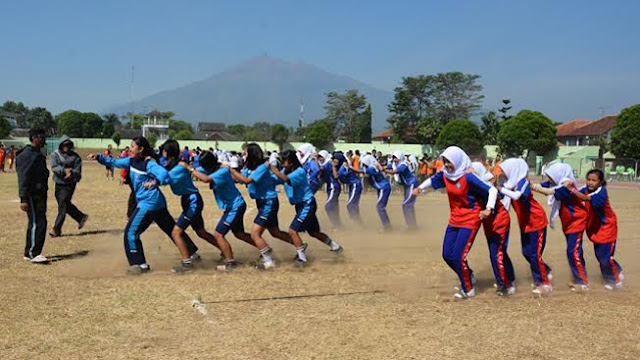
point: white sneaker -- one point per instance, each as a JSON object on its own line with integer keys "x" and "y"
{"x": 613, "y": 287}
{"x": 39, "y": 259}
{"x": 465, "y": 295}
{"x": 266, "y": 265}
{"x": 579, "y": 287}
{"x": 195, "y": 257}
{"x": 543, "y": 290}
{"x": 511, "y": 290}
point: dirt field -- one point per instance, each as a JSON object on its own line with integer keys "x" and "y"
{"x": 85, "y": 307}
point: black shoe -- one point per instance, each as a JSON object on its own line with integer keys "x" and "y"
{"x": 300, "y": 264}
{"x": 54, "y": 234}
{"x": 83, "y": 221}
{"x": 228, "y": 266}
{"x": 182, "y": 268}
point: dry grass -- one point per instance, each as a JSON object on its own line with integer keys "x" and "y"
{"x": 87, "y": 308}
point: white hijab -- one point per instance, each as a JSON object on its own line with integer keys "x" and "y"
{"x": 401, "y": 159}
{"x": 515, "y": 169}
{"x": 307, "y": 150}
{"x": 460, "y": 161}
{"x": 273, "y": 158}
{"x": 559, "y": 173}
{"x": 481, "y": 171}
{"x": 368, "y": 160}
{"x": 325, "y": 155}
{"x": 413, "y": 162}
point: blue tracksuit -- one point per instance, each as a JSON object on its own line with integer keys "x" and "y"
{"x": 262, "y": 188}
{"x": 378, "y": 182}
{"x": 332, "y": 206}
{"x": 152, "y": 206}
{"x": 348, "y": 176}
{"x": 228, "y": 199}
{"x": 409, "y": 182}
{"x": 191, "y": 201}
{"x": 300, "y": 195}
{"x": 313, "y": 174}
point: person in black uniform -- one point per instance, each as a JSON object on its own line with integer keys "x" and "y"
{"x": 33, "y": 177}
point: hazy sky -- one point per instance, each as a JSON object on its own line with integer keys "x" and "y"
{"x": 567, "y": 59}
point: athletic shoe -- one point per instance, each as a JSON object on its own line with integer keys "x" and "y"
{"x": 613, "y": 287}
{"x": 182, "y": 268}
{"x": 221, "y": 258}
{"x": 338, "y": 251}
{"x": 304, "y": 249}
{"x": 550, "y": 276}
{"x": 465, "y": 295}
{"x": 195, "y": 257}
{"x": 300, "y": 264}
{"x": 39, "y": 259}
{"x": 473, "y": 283}
{"x": 263, "y": 265}
{"x": 228, "y": 266}
{"x": 137, "y": 270}
{"x": 54, "y": 234}
{"x": 506, "y": 291}
{"x": 542, "y": 290}
{"x": 578, "y": 287}
{"x": 83, "y": 221}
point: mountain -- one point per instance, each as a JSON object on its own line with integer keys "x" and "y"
{"x": 262, "y": 89}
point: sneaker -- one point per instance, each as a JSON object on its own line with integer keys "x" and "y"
{"x": 221, "y": 258}
{"x": 338, "y": 251}
{"x": 54, "y": 234}
{"x": 137, "y": 270}
{"x": 613, "y": 287}
{"x": 304, "y": 249}
{"x": 550, "y": 276}
{"x": 83, "y": 221}
{"x": 542, "y": 290}
{"x": 195, "y": 257}
{"x": 473, "y": 283}
{"x": 506, "y": 291}
{"x": 465, "y": 295}
{"x": 264, "y": 265}
{"x": 39, "y": 259}
{"x": 182, "y": 268}
{"x": 228, "y": 266}
{"x": 300, "y": 264}
{"x": 578, "y": 287}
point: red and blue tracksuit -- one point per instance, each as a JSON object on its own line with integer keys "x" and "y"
{"x": 465, "y": 202}
{"x": 348, "y": 176}
{"x": 378, "y": 182}
{"x": 602, "y": 229}
{"x": 533, "y": 231}
{"x": 496, "y": 229}
{"x": 573, "y": 214}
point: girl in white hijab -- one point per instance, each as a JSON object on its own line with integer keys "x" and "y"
{"x": 573, "y": 213}
{"x": 466, "y": 193}
{"x": 306, "y": 155}
{"x": 404, "y": 176}
{"x": 370, "y": 166}
{"x": 496, "y": 229}
{"x": 531, "y": 218}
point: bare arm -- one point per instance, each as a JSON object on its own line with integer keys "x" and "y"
{"x": 277, "y": 173}
{"x": 542, "y": 190}
{"x": 200, "y": 176}
{"x": 238, "y": 177}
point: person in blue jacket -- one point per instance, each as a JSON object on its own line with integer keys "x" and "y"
{"x": 350, "y": 177}
{"x": 300, "y": 195}
{"x": 374, "y": 170}
{"x": 231, "y": 202}
{"x": 307, "y": 156}
{"x": 408, "y": 180}
{"x": 329, "y": 174}
{"x": 192, "y": 205}
{"x": 151, "y": 204}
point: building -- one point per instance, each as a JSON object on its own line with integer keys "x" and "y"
{"x": 11, "y": 117}
{"x": 582, "y": 132}
{"x": 385, "y": 136}
{"x": 213, "y": 131}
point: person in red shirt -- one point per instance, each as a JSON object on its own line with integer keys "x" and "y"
{"x": 466, "y": 193}
{"x": 109, "y": 168}
{"x": 602, "y": 227}
{"x": 2, "y": 156}
{"x": 123, "y": 172}
{"x": 564, "y": 202}
{"x": 496, "y": 230}
{"x": 531, "y": 218}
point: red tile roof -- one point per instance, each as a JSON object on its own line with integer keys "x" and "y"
{"x": 568, "y": 127}
{"x": 596, "y": 128}
{"x": 384, "y": 134}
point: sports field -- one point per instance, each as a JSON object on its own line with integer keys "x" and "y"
{"x": 85, "y": 307}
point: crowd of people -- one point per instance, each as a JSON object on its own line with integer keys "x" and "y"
{"x": 480, "y": 194}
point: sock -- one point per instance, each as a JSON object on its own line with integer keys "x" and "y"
{"x": 301, "y": 255}
{"x": 187, "y": 261}
{"x": 266, "y": 254}
{"x": 332, "y": 244}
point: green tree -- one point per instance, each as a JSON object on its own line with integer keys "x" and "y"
{"x": 70, "y": 123}
{"x": 112, "y": 119}
{"x": 135, "y": 121}
{"x": 116, "y": 137}
{"x": 238, "y": 130}
{"x": 462, "y": 133}
{"x": 490, "y": 127}
{"x": 279, "y": 135}
{"x": 92, "y": 125}
{"x": 107, "y": 130}
{"x": 183, "y": 135}
{"x": 17, "y": 108}
{"x": 319, "y": 134}
{"x": 152, "y": 138}
{"x": 363, "y": 130}
{"x": 260, "y": 131}
{"x": 342, "y": 113}
{"x": 504, "y": 110}
{"x": 625, "y": 135}
{"x": 425, "y": 103}
{"x": 527, "y": 131}
{"x": 5, "y": 127}
{"x": 178, "y": 125}
{"x": 40, "y": 117}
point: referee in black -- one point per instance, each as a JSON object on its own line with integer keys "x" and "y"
{"x": 33, "y": 177}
